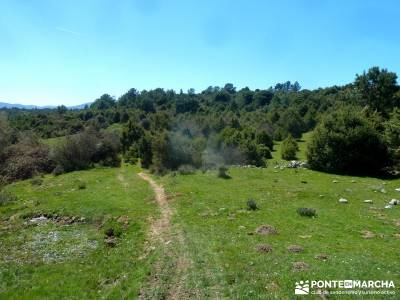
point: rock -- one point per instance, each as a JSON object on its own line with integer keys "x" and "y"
{"x": 383, "y": 191}
{"x": 394, "y": 202}
{"x": 37, "y": 220}
{"x": 343, "y": 200}
{"x": 366, "y": 234}
{"x": 295, "y": 248}
{"x": 306, "y": 236}
{"x": 266, "y": 230}
{"x": 321, "y": 256}
{"x": 334, "y": 181}
{"x": 264, "y": 248}
{"x": 367, "y": 201}
{"x": 111, "y": 241}
{"x": 300, "y": 266}
{"x": 389, "y": 206}
{"x": 294, "y": 164}
{"x": 398, "y": 189}
{"x": 123, "y": 220}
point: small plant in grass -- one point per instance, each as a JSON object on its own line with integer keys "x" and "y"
{"x": 113, "y": 232}
{"x": 37, "y": 181}
{"x": 58, "y": 170}
{"x": 112, "y": 229}
{"x": 222, "y": 172}
{"x": 307, "y": 212}
{"x": 252, "y": 205}
{"x": 81, "y": 185}
{"x": 186, "y": 170}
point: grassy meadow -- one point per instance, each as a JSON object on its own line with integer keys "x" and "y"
{"x": 360, "y": 240}
{"x": 212, "y": 251}
{"x": 61, "y": 259}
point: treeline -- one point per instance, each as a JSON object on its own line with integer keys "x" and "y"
{"x": 356, "y": 126}
{"x": 23, "y": 155}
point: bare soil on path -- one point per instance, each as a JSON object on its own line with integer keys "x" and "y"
{"x": 170, "y": 270}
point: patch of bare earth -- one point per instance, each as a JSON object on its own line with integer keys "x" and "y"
{"x": 169, "y": 273}
{"x": 322, "y": 256}
{"x": 366, "y": 234}
{"x": 266, "y": 230}
{"x": 295, "y": 248}
{"x": 300, "y": 266}
{"x": 264, "y": 248}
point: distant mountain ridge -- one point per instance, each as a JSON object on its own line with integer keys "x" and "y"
{"x": 23, "y": 106}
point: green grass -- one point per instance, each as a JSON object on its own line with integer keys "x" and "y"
{"x": 53, "y": 261}
{"x": 220, "y": 239}
{"x": 301, "y": 154}
{"x": 213, "y": 230}
{"x": 53, "y": 142}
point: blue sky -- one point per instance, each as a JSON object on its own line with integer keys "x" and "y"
{"x": 71, "y": 52}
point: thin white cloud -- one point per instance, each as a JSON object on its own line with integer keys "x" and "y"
{"x": 68, "y": 31}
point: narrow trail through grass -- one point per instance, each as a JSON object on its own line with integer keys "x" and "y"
{"x": 160, "y": 227}
{"x": 167, "y": 279}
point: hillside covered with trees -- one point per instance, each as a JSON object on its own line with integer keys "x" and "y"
{"x": 356, "y": 129}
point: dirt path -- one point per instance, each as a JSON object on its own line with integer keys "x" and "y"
{"x": 169, "y": 273}
{"x": 160, "y": 227}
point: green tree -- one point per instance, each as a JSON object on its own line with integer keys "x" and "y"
{"x": 378, "y": 89}
{"x": 347, "y": 142}
{"x": 289, "y": 148}
{"x": 104, "y": 102}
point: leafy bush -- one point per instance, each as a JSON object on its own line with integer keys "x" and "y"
{"x": 252, "y": 205}
{"x": 347, "y": 142}
{"x": 76, "y": 152}
{"x": 113, "y": 229}
{"x": 307, "y": 212}
{"x": 58, "y": 170}
{"x": 25, "y": 159}
{"x": 186, "y": 170}
{"x": 289, "y": 148}
{"x": 83, "y": 150}
{"x": 222, "y": 172}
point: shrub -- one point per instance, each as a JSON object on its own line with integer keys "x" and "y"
{"x": 222, "y": 172}
{"x": 83, "y": 150}
{"x": 347, "y": 142}
{"x": 186, "y": 170}
{"x": 81, "y": 185}
{"x": 307, "y": 212}
{"x": 113, "y": 230}
{"x": 107, "y": 149}
{"x": 37, "y": 181}
{"x": 252, "y": 205}
{"x": 263, "y": 138}
{"x": 76, "y": 152}
{"x": 289, "y": 148}
{"x": 58, "y": 170}
{"x": 25, "y": 159}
